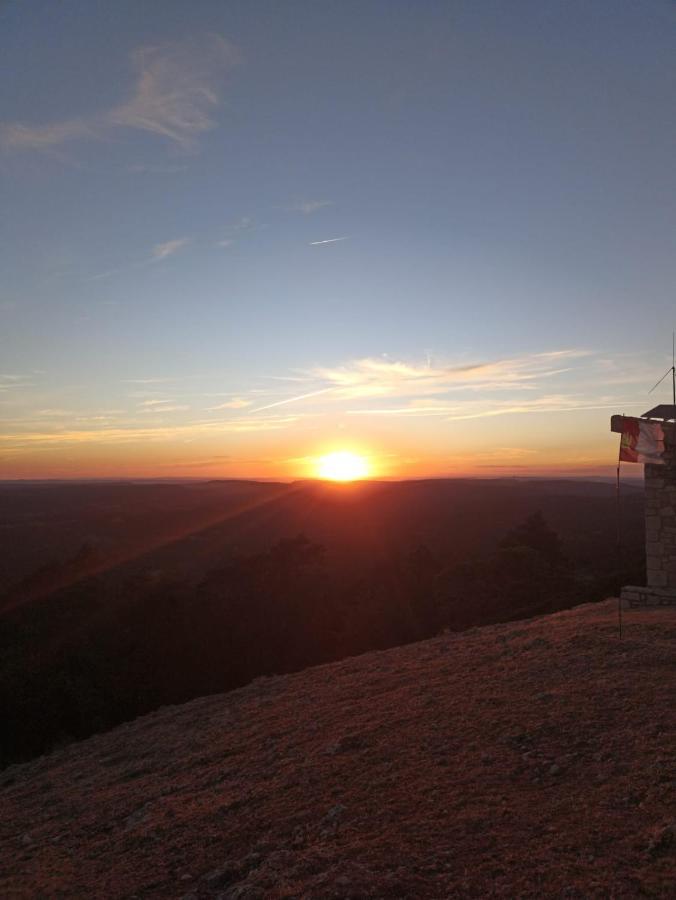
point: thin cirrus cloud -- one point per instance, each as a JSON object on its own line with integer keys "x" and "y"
{"x": 175, "y": 95}
{"x": 166, "y": 409}
{"x": 11, "y": 382}
{"x": 156, "y": 402}
{"x": 235, "y": 403}
{"x": 488, "y": 409}
{"x": 153, "y": 380}
{"x": 307, "y": 207}
{"x": 243, "y": 225}
{"x": 373, "y": 377}
{"x": 131, "y": 433}
{"x": 159, "y": 252}
{"x": 449, "y": 391}
{"x": 168, "y": 248}
{"x": 514, "y": 385}
{"x": 471, "y": 391}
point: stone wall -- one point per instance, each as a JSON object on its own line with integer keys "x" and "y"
{"x": 660, "y": 517}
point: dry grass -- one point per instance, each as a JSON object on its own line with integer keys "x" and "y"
{"x": 533, "y": 759}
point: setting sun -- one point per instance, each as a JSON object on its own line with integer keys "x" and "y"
{"x": 342, "y": 466}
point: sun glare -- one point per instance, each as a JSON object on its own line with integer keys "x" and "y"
{"x": 342, "y": 466}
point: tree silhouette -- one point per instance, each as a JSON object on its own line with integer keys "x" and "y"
{"x": 535, "y": 534}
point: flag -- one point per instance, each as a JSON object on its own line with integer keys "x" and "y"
{"x": 642, "y": 441}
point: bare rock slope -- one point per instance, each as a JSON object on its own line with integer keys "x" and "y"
{"x": 532, "y": 759}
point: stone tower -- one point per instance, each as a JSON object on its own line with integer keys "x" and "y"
{"x": 660, "y": 518}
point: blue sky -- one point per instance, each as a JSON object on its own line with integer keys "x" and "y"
{"x": 451, "y": 224}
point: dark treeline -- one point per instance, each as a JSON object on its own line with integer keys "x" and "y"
{"x": 95, "y": 654}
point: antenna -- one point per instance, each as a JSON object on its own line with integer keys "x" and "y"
{"x": 670, "y": 371}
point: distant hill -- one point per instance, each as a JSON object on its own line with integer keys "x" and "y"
{"x": 183, "y": 530}
{"x": 529, "y": 759}
{"x": 137, "y": 595}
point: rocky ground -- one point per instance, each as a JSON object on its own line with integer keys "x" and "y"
{"x": 532, "y": 759}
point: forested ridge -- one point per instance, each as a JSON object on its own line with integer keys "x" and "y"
{"x": 100, "y": 651}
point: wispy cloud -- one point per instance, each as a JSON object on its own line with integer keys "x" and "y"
{"x": 241, "y": 226}
{"x": 16, "y": 136}
{"x": 414, "y": 409}
{"x": 54, "y": 411}
{"x": 169, "y": 408}
{"x": 12, "y": 382}
{"x": 156, "y": 402}
{"x": 246, "y": 223}
{"x": 543, "y": 405}
{"x": 235, "y": 403}
{"x": 631, "y": 368}
{"x": 158, "y": 380}
{"x": 158, "y": 253}
{"x": 330, "y": 240}
{"x": 161, "y": 405}
{"x": 174, "y": 97}
{"x": 491, "y": 408}
{"x": 373, "y": 377}
{"x": 122, "y": 433}
{"x": 168, "y": 248}
{"x": 513, "y": 385}
{"x": 307, "y": 207}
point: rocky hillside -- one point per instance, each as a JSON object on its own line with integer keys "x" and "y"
{"x": 532, "y": 759}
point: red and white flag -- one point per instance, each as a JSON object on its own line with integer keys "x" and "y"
{"x": 642, "y": 441}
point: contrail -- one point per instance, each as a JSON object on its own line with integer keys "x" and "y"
{"x": 292, "y": 399}
{"x": 329, "y": 240}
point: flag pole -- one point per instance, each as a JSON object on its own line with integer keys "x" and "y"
{"x": 618, "y": 541}
{"x": 673, "y": 366}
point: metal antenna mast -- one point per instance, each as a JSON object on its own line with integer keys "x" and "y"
{"x": 670, "y": 371}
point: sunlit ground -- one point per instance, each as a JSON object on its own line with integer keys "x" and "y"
{"x": 342, "y": 465}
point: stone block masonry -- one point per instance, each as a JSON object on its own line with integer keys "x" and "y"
{"x": 660, "y": 530}
{"x": 660, "y": 518}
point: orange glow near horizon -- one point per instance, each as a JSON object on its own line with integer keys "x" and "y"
{"x": 342, "y": 465}
{"x": 300, "y": 450}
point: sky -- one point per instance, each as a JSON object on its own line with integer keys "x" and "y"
{"x": 235, "y": 237}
